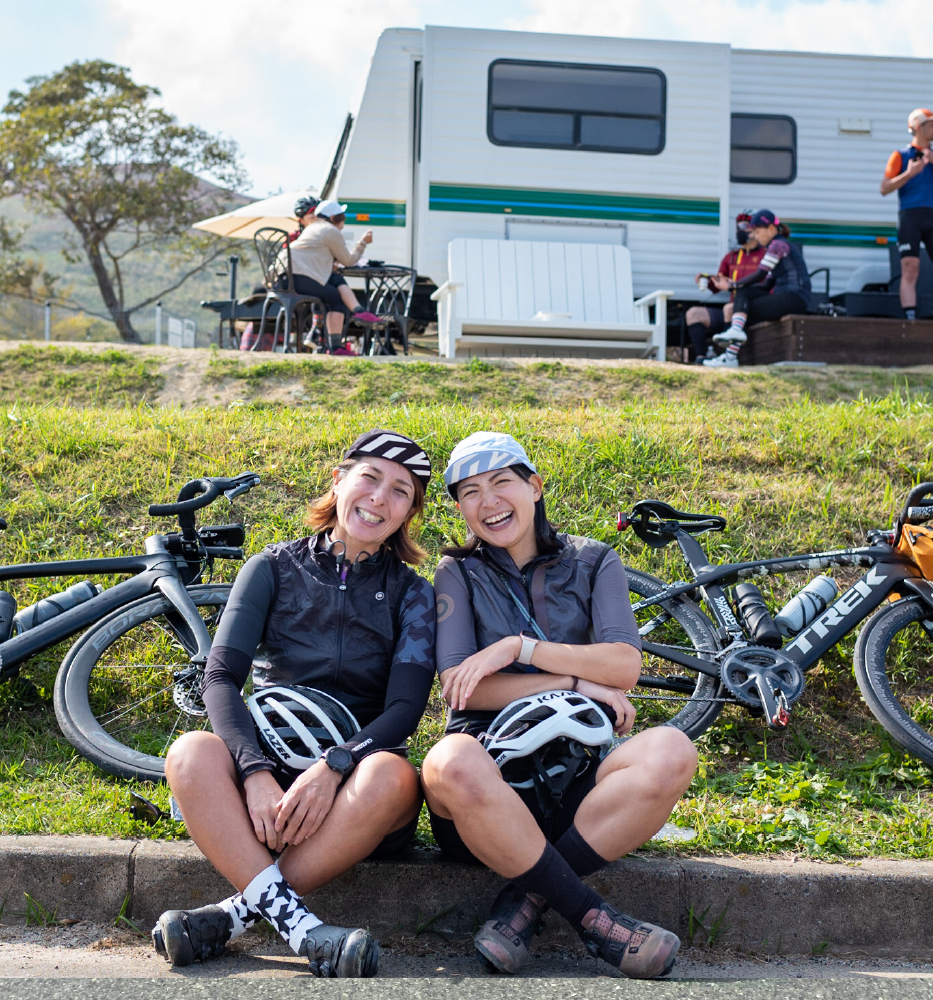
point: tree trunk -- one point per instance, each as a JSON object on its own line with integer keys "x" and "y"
{"x": 109, "y": 295}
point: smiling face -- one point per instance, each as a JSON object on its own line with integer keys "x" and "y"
{"x": 499, "y": 508}
{"x": 374, "y": 499}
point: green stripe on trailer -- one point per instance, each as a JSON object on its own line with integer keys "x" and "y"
{"x": 573, "y": 204}
{"x": 842, "y": 234}
{"x": 376, "y": 213}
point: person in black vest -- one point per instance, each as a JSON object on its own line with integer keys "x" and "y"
{"x": 780, "y": 286}
{"x": 910, "y": 172}
{"x": 342, "y": 613}
{"x": 523, "y": 611}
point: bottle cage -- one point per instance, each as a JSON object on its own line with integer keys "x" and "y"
{"x": 657, "y": 523}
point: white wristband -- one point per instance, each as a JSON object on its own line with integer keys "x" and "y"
{"x": 528, "y": 649}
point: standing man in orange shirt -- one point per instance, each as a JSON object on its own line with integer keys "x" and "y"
{"x": 910, "y": 173}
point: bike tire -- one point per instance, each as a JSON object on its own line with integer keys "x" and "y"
{"x": 114, "y": 691}
{"x": 894, "y": 670}
{"x": 678, "y": 622}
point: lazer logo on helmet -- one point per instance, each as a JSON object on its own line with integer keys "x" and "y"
{"x": 278, "y": 744}
{"x": 841, "y": 607}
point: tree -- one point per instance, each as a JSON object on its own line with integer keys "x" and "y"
{"x": 87, "y": 142}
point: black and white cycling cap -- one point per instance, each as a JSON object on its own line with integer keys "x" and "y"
{"x": 528, "y": 724}
{"x": 396, "y": 448}
{"x": 296, "y": 725}
{"x": 483, "y": 452}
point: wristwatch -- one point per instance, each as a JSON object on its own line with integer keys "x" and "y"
{"x": 528, "y": 647}
{"x": 339, "y": 759}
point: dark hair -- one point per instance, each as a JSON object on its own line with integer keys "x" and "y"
{"x": 545, "y": 532}
{"x": 334, "y": 219}
{"x": 783, "y": 229}
{"x": 322, "y": 516}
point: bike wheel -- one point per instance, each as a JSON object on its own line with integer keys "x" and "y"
{"x": 681, "y": 623}
{"x": 894, "y": 670}
{"x": 127, "y": 687}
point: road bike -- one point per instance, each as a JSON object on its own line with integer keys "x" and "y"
{"x": 712, "y": 640}
{"x": 132, "y": 682}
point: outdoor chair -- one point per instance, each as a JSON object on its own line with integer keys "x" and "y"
{"x": 275, "y": 260}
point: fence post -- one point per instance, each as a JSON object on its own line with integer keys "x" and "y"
{"x": 158, "y": 328}
{"x": 48, "y": 319}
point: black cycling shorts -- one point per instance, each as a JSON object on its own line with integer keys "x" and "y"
{"x": 448, "y": 839}
{"x": 914, "y": 226}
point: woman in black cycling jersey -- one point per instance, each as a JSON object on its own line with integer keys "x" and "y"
{"x": 339, "y": 612}
{"x": 524, "y": 610}
{"x": 779, "y": 287}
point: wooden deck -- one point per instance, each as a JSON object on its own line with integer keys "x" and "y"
{"x": 841, "y": 340}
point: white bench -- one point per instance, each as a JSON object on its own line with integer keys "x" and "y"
{"x": 546, "y": 299}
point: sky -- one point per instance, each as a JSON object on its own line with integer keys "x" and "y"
{"x": 279, "y": 76}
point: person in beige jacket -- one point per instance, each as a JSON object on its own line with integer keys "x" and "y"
{"x": 313, "y": 255}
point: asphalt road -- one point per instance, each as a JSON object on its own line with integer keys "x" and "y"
{"x": 91, "y": 962}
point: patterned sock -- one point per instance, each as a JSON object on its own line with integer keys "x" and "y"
{"x": 738, "y": 321}
{"x": 241, "y": 916}
{"x": 552, "y": 878}
{"x": 733, "y": 349}
{"x": 270, "y": 895}
{"x": 578, "y": 854}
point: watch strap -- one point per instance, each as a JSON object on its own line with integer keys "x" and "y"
{"x": 528, "y": 648}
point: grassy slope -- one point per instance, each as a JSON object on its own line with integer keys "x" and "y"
{"x": 791, "y": 473}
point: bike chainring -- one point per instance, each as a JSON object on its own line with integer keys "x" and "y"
{"x": 186, "y": 690}
{"x": 764, "y": 679}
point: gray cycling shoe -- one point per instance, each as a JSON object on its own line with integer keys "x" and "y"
{"x": 185, "y": 936}
{"x": 639, "y": 949}
{"x": 502, "y": 943}
{"x": 341, "y": 952}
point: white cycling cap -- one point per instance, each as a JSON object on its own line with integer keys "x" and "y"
{"x": 330, "y": 208}
{"x": 483, "y": 452}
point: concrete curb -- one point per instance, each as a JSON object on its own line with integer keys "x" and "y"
{"x": 879, "y": 908}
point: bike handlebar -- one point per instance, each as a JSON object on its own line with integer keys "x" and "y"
{"x": 919, "y": 513}
{"x": 200, "y": 493}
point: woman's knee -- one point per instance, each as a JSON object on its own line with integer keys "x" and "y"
{"x": 458, "y": 769}
{"x": 675, "y": 756}
{"x": 197, "y": 757}
{"x": 697, "y": 314}
{"x": 386, "y": 778}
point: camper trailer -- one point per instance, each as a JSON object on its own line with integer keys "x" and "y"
{"x": 653, "y": 145}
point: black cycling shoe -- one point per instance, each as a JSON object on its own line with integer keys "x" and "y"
{"x": 502, "y": 943}
{"x": 341, "y": 952}
{"x": 639, "y": 949}
{"x": 185, "y": 936}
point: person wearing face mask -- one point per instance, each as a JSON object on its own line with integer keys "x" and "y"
{"x": 705, "y": 320}
{"x": 337, "y": 623}
{"x": 910, "y": 173}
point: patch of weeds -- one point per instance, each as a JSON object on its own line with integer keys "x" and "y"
{"x": 37, "y": 915}
{"x": 121, "y": 920}
{"x": 697, "y": 924}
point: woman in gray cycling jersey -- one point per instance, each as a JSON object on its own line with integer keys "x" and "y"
{"x": 339, "y": 612}
{"x": 515, "y": 581}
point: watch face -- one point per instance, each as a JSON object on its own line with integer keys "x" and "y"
{"x": 339, "y": 759}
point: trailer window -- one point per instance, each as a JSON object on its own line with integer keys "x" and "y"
{"x": 764, "y": 149}
{"x": 613, "y": 109}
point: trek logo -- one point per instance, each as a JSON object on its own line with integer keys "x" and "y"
{"x": 722, "y": 605}
{"x": 833, "y": 615}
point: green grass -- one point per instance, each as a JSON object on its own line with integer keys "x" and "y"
{"x": 788, "y": 476}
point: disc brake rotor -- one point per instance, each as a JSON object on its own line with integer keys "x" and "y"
{"x": 186, "y": 691}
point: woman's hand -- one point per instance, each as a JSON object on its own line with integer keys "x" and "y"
{"x": 615, "y": 699}
{"x": 306, "y": 804}
{"x": 720, "y": 282}
{"x": 263, "y": 796}
{"x": 367, "y": 237}
{"x": 458, "y": 683}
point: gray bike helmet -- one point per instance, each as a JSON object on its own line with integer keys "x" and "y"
{"x": 543, "y": 741}
{"x": 295, "y": 725}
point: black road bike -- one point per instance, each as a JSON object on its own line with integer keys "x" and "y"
{"x": 703, "y": 649}
{"x": 132, "y": 682}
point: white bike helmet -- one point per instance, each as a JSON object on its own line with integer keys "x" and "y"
{"x": 295, "y": 725}
{"x": 543, "y": 740}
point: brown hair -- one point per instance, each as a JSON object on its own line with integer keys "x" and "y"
{"x": 322, "y": 516}
{"x": 783, "y": 229}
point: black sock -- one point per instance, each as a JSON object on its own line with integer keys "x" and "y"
{"x": 552, "y": 878}
{"x": 578, "y": 854}
{"x": 697, "y": 334}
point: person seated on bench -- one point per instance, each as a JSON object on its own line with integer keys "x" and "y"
{"x": 347, "y": 633}
{"x": 313, "y": 255}
{"x": 745, "y": 259}
{"x": 304, "y": 212}
{"x": 780, "y": 286}
{"x": 533, "y": 620}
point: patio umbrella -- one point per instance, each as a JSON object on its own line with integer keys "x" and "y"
{"x": 242, "y": 222}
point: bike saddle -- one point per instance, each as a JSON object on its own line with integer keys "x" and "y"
{"x": 656, "y": 523}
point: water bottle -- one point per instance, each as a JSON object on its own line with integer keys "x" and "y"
{"x": 799, "y": 611}
{"x": 49, "y": 607}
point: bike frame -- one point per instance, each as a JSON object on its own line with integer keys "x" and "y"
{"x": 156, "y": 570}
{"x": 888, "y": 572}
